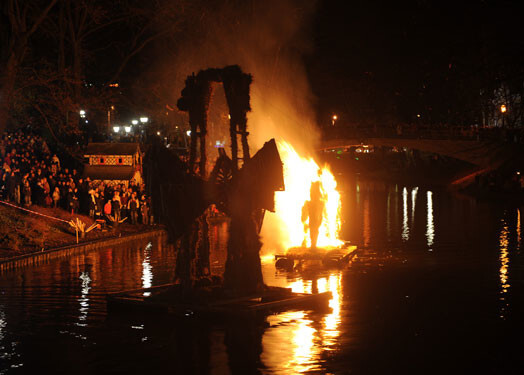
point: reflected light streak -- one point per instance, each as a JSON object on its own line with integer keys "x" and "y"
{"x": 332, "y": 320}
{"x": 84, "y": 297}
{"x": 414, "y": 192}
{"x": 405, "y": 226}
{"x": 367, "y": 222}
{"x": 388, "y": 216}
{"x": 518, "y": 228}
{"x": 430, "y": 226}
{"x": 147, "y": 271}
{"x": 504, "y": 264}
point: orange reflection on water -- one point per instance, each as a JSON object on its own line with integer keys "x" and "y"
{"x": 295, "y": 344}
{"x": 504, "y": 262}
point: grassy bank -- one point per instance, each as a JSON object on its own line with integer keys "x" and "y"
{"x": 22, "y": 232}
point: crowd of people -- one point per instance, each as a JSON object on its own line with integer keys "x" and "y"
{"x": 31, "y": 174}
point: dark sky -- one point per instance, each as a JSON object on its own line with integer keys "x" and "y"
{"x": 374, "y": 60}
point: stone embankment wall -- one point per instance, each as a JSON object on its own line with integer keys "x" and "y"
{"x": 34, "y": 259}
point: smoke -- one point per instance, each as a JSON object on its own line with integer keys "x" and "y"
{"x": 268, "y": 39}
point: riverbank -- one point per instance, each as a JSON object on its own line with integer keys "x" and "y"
{"x": 43, "y": 229}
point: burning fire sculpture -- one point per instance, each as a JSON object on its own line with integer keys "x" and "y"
{"x": 308, "y": 211}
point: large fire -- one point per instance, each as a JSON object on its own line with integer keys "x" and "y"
{"x": 299, "y": 174}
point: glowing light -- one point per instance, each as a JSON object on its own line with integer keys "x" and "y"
{"x": 430, "y": 227}
{"x": 134, "y": 122}
{"x": 299, "y": 174}
{"x": 143, "y": 120}
{"x": 127, "y": 129}
{"x": 188, "y": 133}
{"x": 503, "y": 108}
{"x": 82, "y": 113}
{"x": 116, "y": 129}
{"x": 157, "y": 133}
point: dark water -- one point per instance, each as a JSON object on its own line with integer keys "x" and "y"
{"x": 438, "y": 288}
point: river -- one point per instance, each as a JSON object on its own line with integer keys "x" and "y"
{"x": 437, "y": 288}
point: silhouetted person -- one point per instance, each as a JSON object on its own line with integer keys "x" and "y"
{"x": 314, "y": 209}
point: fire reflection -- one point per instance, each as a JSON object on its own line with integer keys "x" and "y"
{"x": 298, "y": 340}
{"x": 430, "y": 227}
{"x": 504, "y": 263}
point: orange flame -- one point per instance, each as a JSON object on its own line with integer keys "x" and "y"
{"x": 299, "y": 173}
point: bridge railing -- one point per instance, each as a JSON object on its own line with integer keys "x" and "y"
{"x": 471, "y": 133}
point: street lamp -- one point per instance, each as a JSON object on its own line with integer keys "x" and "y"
{"x": 334, "y": 119}
{"x": 503, "y": 110}
{"x": 134, "y": 122}
{"x": 116, "y": 129}
{"x": 82, "y": 113}
{"x": 127, "y": 129}
{"x": 143, "y": 120}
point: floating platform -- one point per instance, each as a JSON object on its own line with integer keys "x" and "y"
{"x": 212, "y": 303}
{"x": 296, "y": 257}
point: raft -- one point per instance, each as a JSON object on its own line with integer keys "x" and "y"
{"x": 297, "y": 257}
{"x": 213, "y": 304}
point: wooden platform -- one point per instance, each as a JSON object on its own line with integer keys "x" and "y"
{"x": 165, "y": 299}
{"x": 297, "y": 256}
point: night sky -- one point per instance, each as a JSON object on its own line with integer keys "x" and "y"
{"x": 388, "y": 61}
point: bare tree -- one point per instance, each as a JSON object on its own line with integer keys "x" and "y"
{"x": 23, "y": 18}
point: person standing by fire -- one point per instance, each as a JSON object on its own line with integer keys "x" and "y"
{"x": 313, "y": 209}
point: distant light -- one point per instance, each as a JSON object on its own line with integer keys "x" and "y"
{"x": 87, "y": 121}
{"x": 143, "y": 120}
{"x": 113, "y": 84}
{"x": 112, "y": 107}
{"x": 188, "y": 133}
{"x": 116, "y": 129}
{"x": 335, "y": 117}
{"x": 157, "y": 133}
{"x": 418, "y": 116}
{"x": 518, "y": 172}
{"x": 134, "y": 122}
{"x": 82, "y": 113}
{"x": 127, "y": 129}
{"x": 229, "y": 116}
{"x": 503, "y": 108}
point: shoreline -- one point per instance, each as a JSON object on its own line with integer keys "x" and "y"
{"x": 35, "y": 258}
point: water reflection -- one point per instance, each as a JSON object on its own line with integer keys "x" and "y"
{"x": 147, "y": 270}
{"x": 366, "y": 230}
{"x": 405, "y": 226}
{"x": 414, "y": 192}
{"x": 84, "y": 297}
{"x": 297, "y": 339}
{"x": 518, "y": 229}
{"x": 430, "y": 227}
{"x": 504, "y": 262}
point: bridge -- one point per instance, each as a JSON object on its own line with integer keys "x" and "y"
{"x": 485, "y": 148}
